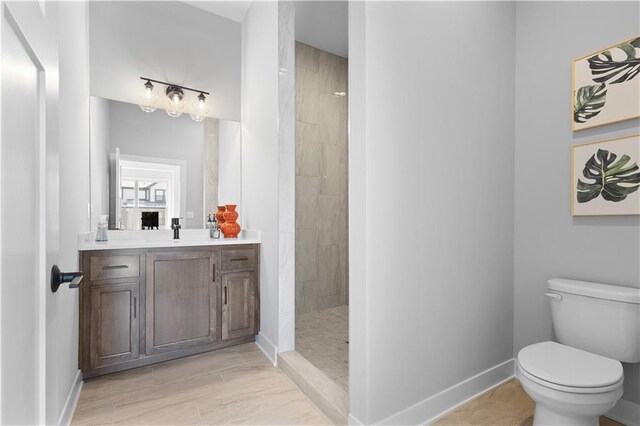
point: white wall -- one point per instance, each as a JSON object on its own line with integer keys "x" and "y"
{"x": 548, "y": 241}
{"x": 229, "y": 163}
{"x": 74, "y": 200}
{"x": 169, "y": 41}
{"x": 260, "y": 154}
{"x": 431, "y": 146}
{"x": 156, "y": 134}
{"x": 100, "y": 146}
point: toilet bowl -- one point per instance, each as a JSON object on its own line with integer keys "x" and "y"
{"x": 579, "y": 378}
{"x": 570, "y": 387}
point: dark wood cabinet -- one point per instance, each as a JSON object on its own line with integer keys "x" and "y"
{"x": 182, "y": 300}
{"x": 238, "y": 306}
{"x": 143, "y": 306}
{"x": 114, "y": 323}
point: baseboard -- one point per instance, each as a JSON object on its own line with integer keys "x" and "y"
{"x": 436, "y": 406}
{"x": 268, "y": 348}
{"x": 625, "y": 412}
{"x": 72, "y": 401}
{"x": 352, "y": 421}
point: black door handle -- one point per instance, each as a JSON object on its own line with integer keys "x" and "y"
{"x": 58, "y": 278}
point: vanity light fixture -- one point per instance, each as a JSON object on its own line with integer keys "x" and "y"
{"x": 148, "y": 98}
{"x": 200, "y": 108}
{"x": 175, "y": 99}
{"x": 339, "y": 94}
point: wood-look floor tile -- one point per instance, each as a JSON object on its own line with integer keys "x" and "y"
{"x": 177, "y": 392}
{"x": 98, "y": 390}
{"x": 507, "y": 404}
{"x": 185, "y": 413}
{"x": 238, "y": 385}
{"x": 195, "y": 365}
{"x": 247, "y": 400}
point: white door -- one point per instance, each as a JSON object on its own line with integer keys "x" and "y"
{"x": 28, "y": 204}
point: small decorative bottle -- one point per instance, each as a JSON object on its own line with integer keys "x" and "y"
{"x": 103, "y": 225}
{"x": 215, "y": 230}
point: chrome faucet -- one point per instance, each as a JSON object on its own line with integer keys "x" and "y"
{"x": 175, "y": 225}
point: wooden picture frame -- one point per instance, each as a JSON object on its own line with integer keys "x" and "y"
{"x": 606, "y": 86}
{"x": 620, "y": 193}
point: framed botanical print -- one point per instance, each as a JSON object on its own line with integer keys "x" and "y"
{"x": 605, "y": 177}
{"x": 606, "y": 86}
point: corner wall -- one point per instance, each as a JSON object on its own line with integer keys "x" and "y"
{"x": 74, "y": 200}
{"x": 260, "y": 155}
{"x": 432, "y": 149}
{"x": 549, "y": 242}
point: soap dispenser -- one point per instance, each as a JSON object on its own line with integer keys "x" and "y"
{"x": 214, "y": 230}
{"x": 103, "y": 225}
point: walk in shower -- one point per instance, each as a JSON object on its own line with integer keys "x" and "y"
{"x": 322, "y": 288}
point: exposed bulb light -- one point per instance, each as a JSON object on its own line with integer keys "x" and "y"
{"x": 148, "y": 98}
{"x": 200, "y": 108}
{"x": 175, "y": 101}
{"x": 340, "y": 94}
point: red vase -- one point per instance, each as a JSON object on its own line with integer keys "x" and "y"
{"x": 230, "y": 228}
{"x": 220, "y": 215}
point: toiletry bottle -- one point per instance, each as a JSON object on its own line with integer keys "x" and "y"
{"x": 210, "y": 225}
{"x": 215, "y": 230}
{"x": 103, "y": 225}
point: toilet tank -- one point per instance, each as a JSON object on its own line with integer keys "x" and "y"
{"x": 599, "y": 318}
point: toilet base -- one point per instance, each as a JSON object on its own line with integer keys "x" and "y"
{"x": 543, "y": 416}
{"x": 556, "y": 407}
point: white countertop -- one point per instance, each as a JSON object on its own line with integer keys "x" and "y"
{"x": 161, "y": 238}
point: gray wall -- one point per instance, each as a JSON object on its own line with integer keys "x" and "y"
{"x": 548, "y": 241}
{"x": 156, "y": 134}
{"x": 437, "y": 146}
{"x": 321, "y": 180}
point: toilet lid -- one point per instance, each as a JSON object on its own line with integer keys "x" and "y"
{"x": 567, "y": 366}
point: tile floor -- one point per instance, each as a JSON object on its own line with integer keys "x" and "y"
{"x": 507, "y": 404}
{"x": 321, "y": 337}
{"x": 231, "y": 386}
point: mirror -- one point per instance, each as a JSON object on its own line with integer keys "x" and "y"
{"x": 147, "y": 168}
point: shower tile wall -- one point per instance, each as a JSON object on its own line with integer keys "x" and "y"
{"x": 321, "y": 180}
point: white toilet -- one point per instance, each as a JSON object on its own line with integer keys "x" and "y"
{"x": 579, "y": 379}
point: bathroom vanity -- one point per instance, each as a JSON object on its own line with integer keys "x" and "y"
{"x": 147, "y": 301}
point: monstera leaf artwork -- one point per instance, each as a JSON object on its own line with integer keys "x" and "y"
{"x": 589, "y": 102}
{"x": 605, "y": 69}
{"x": 606, "y": 85}
{"x": 612, "y": 178}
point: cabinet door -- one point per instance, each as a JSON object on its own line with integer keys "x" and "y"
{"x": 114, "y": 324}
{"x": 238, "y": 308}
{"x": 181, "y": 300}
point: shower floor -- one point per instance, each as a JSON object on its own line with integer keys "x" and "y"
{"x": 322, "y": 338}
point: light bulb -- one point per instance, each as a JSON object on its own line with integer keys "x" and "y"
{"x": 148, "y": 98}
{"x": 200, "y": 108}
{"x": 175, "y": 101}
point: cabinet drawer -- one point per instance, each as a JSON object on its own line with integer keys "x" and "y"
{"x": 238, "y": 259}
{"x": 108, "y": 267}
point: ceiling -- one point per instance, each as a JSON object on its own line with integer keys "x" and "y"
{"x": 168, "y": 41}
{"x": 324, "y": 25}
{"x": 234, "y": 10}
